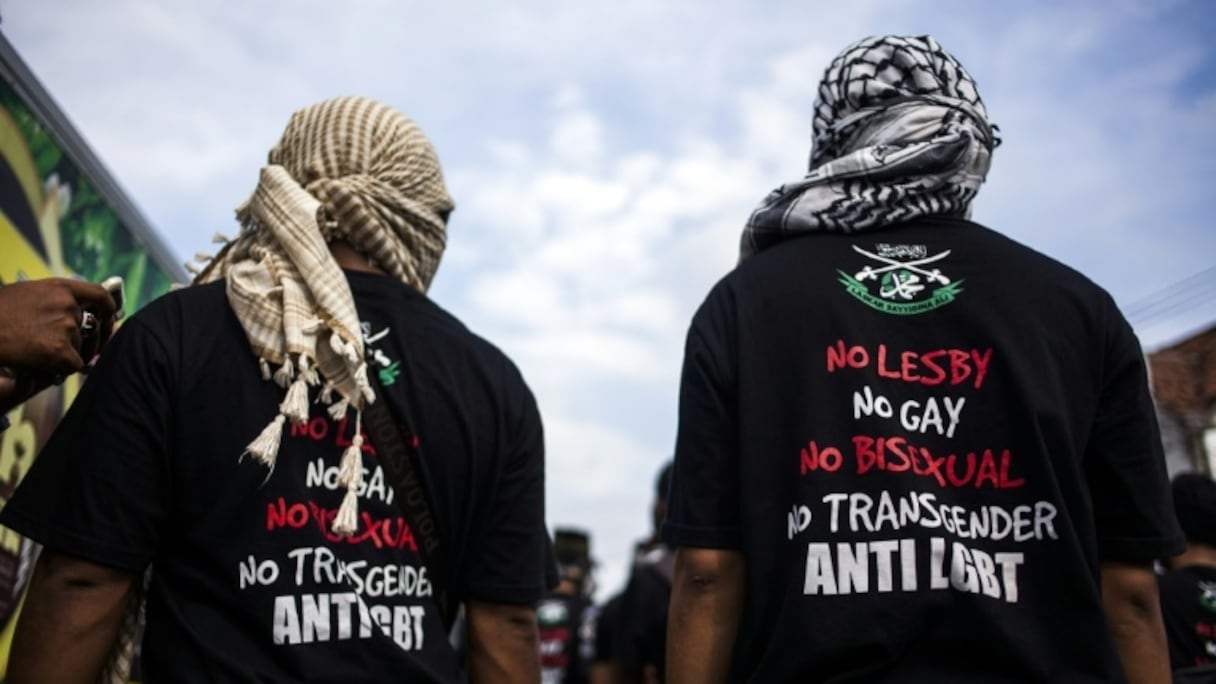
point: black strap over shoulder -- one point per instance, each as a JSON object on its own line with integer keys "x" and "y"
{"x": 400, "y": 458}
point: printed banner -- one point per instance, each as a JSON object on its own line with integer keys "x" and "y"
{"x": 53, "y": 222}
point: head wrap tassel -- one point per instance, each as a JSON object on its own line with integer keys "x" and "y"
{"x": 264, "y": 366}
{"x": 285, "y": 373}
{"x": 265, "y": 448}
{"x": 295, "y": 403}
{"x": 338, "y": 409}
{"x": 350, "y": 475}
{"x": 347, "y": 521}
{"x": 369, "y": 395}
{"x": 351, "y": 353}
{"x": 336, "y": 344}
{"x": 309, "y": 372}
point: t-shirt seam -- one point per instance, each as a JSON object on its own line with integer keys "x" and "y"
{"x": 60, "y": 539}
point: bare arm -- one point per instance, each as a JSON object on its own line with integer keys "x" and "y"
{"x": 706, "y": 605}
{"x": 1133, "y": 611}
{"x": 503, "y": 644}
{"x": 69, "y": 621}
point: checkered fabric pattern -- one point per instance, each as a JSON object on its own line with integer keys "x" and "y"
{"x": 899, "y": 132}
{"x": 347, "y": 169}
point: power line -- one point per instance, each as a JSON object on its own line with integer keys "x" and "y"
{"x": 1145, "y": 305}
{"x": 1192, "y": 299}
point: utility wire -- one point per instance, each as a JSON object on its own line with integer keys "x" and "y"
{"x": 1192, "y": 299}
{"x": 1144, "y": 306}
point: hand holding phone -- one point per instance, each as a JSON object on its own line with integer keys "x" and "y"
{"x": 52, "y": 327}
{"x": 114, "y": 285}
{"x": 96, "y": 327}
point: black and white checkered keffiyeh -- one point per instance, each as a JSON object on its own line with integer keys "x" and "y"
{"x": 900, "y": 132}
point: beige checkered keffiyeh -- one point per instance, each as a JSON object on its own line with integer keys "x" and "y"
{"x": 345, "y": 169}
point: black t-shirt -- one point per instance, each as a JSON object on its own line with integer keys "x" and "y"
{"x": 607, "y": 623}
{"x": 1188, "y": 607}
{"x": 249, "y": 583}
{"x": 924, "y": 440}
{"x": 640, "y": 641}
{"x": 561, "y": 620}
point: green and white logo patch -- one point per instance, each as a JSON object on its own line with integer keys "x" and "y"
{"x": 903, "y": 280}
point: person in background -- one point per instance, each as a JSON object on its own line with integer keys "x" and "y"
{"x": 51, "y": 327}
{"x": 564, "y": 615}
{"x": 220, "y": 441}
{"x": 911, "y": 449}
{"x": 632, "y": 630}
{"x": 1188, "y": 588}
{"x": 604, "y": 668}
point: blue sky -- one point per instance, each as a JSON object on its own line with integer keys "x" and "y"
{"x": 603, "y": 157}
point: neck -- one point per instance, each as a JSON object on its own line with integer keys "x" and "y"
{"x": 348, "y": 258}
{"x": 1195, "y": 554}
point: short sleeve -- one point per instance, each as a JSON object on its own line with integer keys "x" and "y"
{"x": 1124, "y": 460}
{"x": 703, "y": 503}
{"x": 513, "y": 563}
{"x": 99, "y": 490}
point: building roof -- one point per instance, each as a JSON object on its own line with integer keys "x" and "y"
{"x": 1183, "y": 375}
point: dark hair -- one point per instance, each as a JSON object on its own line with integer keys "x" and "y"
{"x": 1195, "y": 507}
{"x": 572, "y": 547}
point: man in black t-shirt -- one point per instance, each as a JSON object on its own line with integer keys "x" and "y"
{"x": 911, "y": 449}
{"x": 563, "y": 615}
{"x": 221, "y": 442}
{"x": 1188, "y": 589}
{"x": 631, "y": 628}
{"x": 640, "y": 637}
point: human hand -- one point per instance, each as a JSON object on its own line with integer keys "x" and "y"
{"x": 16, "y": 388}
{"x": 41, "y": 320}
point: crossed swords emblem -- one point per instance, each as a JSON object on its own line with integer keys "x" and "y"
{"x": 904, "y": 287}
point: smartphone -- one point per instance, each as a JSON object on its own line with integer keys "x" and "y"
{"x": 114, "y": 285}
{"x": 90, "y": 326}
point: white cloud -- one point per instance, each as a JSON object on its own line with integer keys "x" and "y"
{"x": 603, "y": 480}
{"x": 604, "y": 158}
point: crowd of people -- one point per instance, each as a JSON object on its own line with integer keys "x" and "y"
{"x": 897, "y": 458}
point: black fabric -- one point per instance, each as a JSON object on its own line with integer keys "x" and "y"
{"x": 1200, "y": 674}
{"x": 562, "y": 623}
{"x": 1188, "y": 608}
{"x": 144, "y": 468}
{"x": 1003, "y": 386}
{"x": 1195, "y": 506}
{"x": 640, "y": 640}
{"x": 607, "y": 624}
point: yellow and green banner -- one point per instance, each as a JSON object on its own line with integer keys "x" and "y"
{"x": 58, "y": 217}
